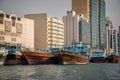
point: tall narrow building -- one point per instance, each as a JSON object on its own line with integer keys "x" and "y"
{"x": 115, "y": 41}
{"x": 109, "y": 36}
{"x": 119, "y": 41}
{"x": 102, "y": 24}
{"x": 97, "y": 23}
{"x": 94, "y": 23}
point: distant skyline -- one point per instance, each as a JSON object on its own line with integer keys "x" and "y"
{"x": 54, "y": 8}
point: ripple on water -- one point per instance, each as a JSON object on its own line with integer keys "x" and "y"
{"x": 93, "y": 71}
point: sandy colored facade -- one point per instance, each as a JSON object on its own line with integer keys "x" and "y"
{"x": 107, "y": 40}
{"x": 49, "y": 32}
{"x": 109, "y": 36}
{"x": 14, "y": 31}
{"x": 81, "y": 7}
{"x": 27, "y": 33}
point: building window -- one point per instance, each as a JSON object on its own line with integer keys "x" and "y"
{"x": 19, "y": 28}
{"x": 2, "y": 38}
{"x": 13, "y": 20}
{"x": 13, "y": 39}
{"x": 13, "y": 34}
{"x": 1, "y": 18}
{"x": 7, "y": 26}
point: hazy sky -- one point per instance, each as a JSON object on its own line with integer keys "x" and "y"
{"x": 54, "y": 8}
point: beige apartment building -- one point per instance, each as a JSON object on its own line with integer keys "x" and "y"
{"x": 49, "y": 32}
{"x": 16, "y": 32}
{"x": 28, "y": 33}
{"x": 81, "y": 7}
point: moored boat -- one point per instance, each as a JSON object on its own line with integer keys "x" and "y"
{"x": 71, "y": 57}
{"x": 113, "y": 58}
{"x": 98, "y": 56}
{"x": 37, "y": 57}
{"x": 3, "y": 53}
{"x": 13, "y": 59}
{"x": 1, "y": 59}
{"x": 75, "y": 54}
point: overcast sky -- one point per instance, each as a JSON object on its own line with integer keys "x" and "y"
{"x": 54, "y": 8}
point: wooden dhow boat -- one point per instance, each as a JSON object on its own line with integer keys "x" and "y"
{"x": 38, "y": 57}
{"x": 71, "y": 57}
{"x": 113, "y": 58}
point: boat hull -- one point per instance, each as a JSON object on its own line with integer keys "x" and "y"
{"x": 35, "y": 58}
{"x": 68, "y": 57}
{"x": 113, "y": 59}
{"x": 98, "y": 60}
{"x": 13, "y": 59}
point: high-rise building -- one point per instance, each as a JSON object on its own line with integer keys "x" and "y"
{"x": 115, "y": 41}
{"x": 94, "y": 23}
{"x": 107, "y": 39}
{"x": 84, "y": 31}
{"x": 109, "y": 36}
{"x": 71, "y": 28}
{"x": 49, "y": 32}
{"x": 94, "y": 11}
{"x": 16, "y": 32}
{"x": 119, "y": 41}
{"x": 109, "y": 23}
{"x": 97, "y": 23}
{"x": 81, "y": 7}
{"x": 101, "y": 24}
